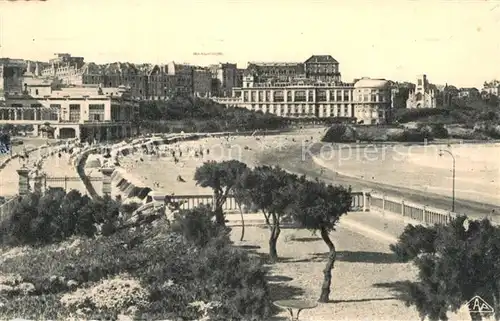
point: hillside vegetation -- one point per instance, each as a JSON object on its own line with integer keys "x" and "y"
{"x": 202, "y": 115}
{"x": 472, "y": 119}
{"x": 462, "y": 111}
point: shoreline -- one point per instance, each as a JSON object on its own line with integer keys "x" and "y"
{"x": 288, "y": 160}
{"x": 360, "y": 144}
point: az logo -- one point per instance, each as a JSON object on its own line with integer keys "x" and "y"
{"x": 478, "y": 305}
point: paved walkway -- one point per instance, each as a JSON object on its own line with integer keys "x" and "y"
{"x": 9, "y": 182}
{"x": 59, "y": 167}
{"x": 385, "y": 228}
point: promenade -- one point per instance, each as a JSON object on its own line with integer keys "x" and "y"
{"x": 365, "y": 277}
{"x": 292, "y": 159}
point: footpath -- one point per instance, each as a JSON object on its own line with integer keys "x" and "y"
{"x": 381, "y": 227}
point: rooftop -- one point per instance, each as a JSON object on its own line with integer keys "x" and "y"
{"x": 371, "y": 83}
{"x": 321, "y": 59}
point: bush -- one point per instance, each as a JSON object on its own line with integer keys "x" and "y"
{"x": 411, "y": 136}
{"x": 197, "y": 226}
{"x": 338, "y": 133}
{"x": 439, "y": 131}
{"x": 55, "y": 216}
{"x": 405, "y": 115}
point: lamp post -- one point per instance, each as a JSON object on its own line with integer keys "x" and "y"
{"x": 441, "y": 151}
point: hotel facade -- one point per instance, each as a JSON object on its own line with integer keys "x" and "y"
{"x": 312, "y": 89}
{"x": 367, "y": 101}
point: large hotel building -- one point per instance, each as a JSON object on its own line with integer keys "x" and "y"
{"x": 312, "y": 89}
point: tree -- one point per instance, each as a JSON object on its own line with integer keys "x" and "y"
{"x": 272, "y": 190}
{"x": 456, "y": 262}
{"x": 242, "y": 197}
{"x": 221, "y": 177}
{"x": 401, "y": 95}
{"x": 318, "y": 207}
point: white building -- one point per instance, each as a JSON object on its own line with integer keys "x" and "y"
{"x": 369, "y": 100}
{"x": 86, "y": 113}
{"x": 424, "y": 95}
{"x": 372, "y": 101}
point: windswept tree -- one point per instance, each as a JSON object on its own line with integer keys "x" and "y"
{"x": 272, "y": 190}
{"x": 456, "y": 262}
{"x": 242, "y": 197}
{"x": 221, "y": 177}
{"x": 318, "y": 207}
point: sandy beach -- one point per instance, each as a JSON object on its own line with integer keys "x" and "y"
{"x": 421, "y": 168}
{"x": 366, "y": 270}
{"x": 162, "y": 169}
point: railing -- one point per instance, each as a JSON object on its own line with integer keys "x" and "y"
{"x": 70, "y": 179}
{"x": 359, "y": 201}
{"x": 421, "y": 213}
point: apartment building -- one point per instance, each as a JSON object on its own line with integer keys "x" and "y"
{"x": 144, "y": 81}
{"x": 225, "y": 77}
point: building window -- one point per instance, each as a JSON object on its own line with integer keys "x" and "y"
{"x": 74, "y": 112}
{"x": 96, "y": 112}
{"x": 321, "y": 95}
{"x": 300, "y": 95}
{"x": 55, "y": 109}
{"x": 420, "y": 82}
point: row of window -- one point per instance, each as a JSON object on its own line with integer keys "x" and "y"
{"x": 302, "y": 108}
{"x": 298, "y": 95}
{"x": 28, "y": 114}
{"x": 373, "y": 98}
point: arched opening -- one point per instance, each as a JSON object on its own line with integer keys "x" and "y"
{"x": 66, "y": 133}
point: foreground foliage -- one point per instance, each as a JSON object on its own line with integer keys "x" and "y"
{"x": 150, "y": 272}
{"x": 55, "y": 216}
{"x": 456, "y": 262}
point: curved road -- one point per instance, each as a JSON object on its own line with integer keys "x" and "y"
{"x": 291, "y": 159}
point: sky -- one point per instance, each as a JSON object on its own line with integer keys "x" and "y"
{"x": 455, "y": 42}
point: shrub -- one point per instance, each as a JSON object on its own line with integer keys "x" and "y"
{"x": 55, "y": 216}
{"x": 197, "y": 227}
{"x": 411, "y": 136}
{"x": 115, "y": 296}
{"x": 456, "y": 262}
{"x": 439, "y": 131}
{"x": 339, "y": 133}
